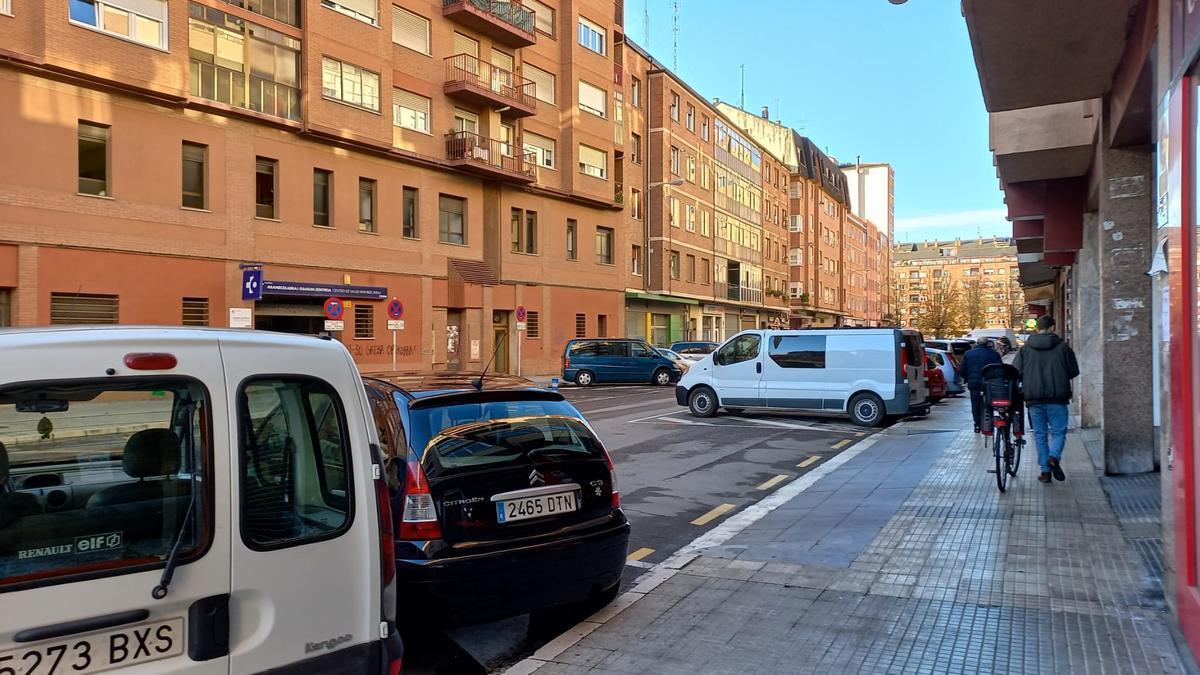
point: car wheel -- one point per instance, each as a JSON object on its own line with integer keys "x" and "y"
{"x": 662, "y": 377}
{"x": 584, "y": 378}
{"x": 866, "y": 410}
{"x": 703, "y": 402}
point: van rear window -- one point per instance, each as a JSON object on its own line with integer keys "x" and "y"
{"x": 98, "y": 475}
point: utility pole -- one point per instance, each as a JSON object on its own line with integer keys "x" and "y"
{"x": 646, "y": 23}
{"x": 742, "y": 104}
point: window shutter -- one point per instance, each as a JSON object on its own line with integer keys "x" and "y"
{"x": 543, "y": 16}
{"x": 407, "y": 99}
{"x": 592, "y": 97}
{"x": 82, "y": 308}
{"x": 592, "y": 157}
{"x": 465, "y": 45}
{"x": 410, "y": 30}
{"x": 364, "y": 7}
{"x": 543, "y": 82}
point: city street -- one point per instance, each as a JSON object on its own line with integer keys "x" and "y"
{"x": 679, "y": 477}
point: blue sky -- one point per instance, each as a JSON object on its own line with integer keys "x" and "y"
{"x": 891, "y": 83}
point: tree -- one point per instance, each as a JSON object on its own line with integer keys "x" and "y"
{"x": 941, "y": 311}
{"x": 1015, "y": 309}
{"x": 973, "y": 314}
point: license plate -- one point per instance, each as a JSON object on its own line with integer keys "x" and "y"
{"x": 538, "y": 506}
{"x": 117, "y": 648}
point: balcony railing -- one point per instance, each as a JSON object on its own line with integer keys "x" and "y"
{"x": 737, "y": 208}
{"x": 736, "y": 251}
{"x": 481, "y": 82}
{"x": 490, "y": 156}
{"x": 737, "y": 292}
{"x": 508, "y": 21}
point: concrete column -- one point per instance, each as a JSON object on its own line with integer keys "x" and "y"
{"x": 1089, "y": 388}
{"x": 1125, "y": 246}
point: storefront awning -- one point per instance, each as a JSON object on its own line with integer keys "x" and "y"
{"x": 637, "y": 295}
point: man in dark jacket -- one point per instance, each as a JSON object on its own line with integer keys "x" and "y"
{"x": 974, "y": 361}
{"x": 1047, "y": 367}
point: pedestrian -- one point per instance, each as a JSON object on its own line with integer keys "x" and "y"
{"x": 1047, "y": 367}
{"x": 974, "y": 361}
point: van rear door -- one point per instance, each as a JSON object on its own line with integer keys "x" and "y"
{"x": 101, "y": 477}
{"x": 912, "y": 355}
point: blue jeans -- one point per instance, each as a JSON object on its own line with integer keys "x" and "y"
{"x": 1049, "y": 422}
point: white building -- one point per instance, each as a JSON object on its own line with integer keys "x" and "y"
{"x": 872, "y": 194}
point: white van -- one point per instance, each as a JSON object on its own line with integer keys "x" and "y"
{"x": 190, "y": 501}
{"x": 866, "y": 373}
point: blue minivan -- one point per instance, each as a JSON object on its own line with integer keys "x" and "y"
{"x": 588, "y": 361}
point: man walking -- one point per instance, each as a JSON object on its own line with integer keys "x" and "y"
{"x": 1047, "y": 367}
{"x": 974, "y": 361}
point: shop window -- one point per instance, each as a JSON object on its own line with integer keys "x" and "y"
{"x": 195, "y": 311}
{"x": 83, "y": 308}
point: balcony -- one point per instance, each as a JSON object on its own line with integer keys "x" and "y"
{"x": 489, "y": 157}
{"x": 509, "y": 22}
{"x": 738, "y": 209}
{"x": 230, "y": 87}
{"x": 479, "y": 82}
{"x": 729, "y": 249}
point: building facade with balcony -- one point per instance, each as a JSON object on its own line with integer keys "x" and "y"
{"x": 978, "y": 280}
{"x": 463, "y": 156}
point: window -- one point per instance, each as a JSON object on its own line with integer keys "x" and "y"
{"x": 364, "y": 10}
{"x": 543, "y": 16}
{"x": 604, "y": 245}
{"x": 798, "y": 351}
{"x": 795, "y": 257}
{"x": 635, "y": 261}
{"x": 194, "y": 179}
{"x": 593, "y": 99}
{"x": 465, "y": 120}
{"x": 592, "y": 36}
{"x": 543, "y": 82}
{"x": 675, "y": 106}
{"x": 195, "y": 311}
{"x": 141, "y": 21}
{"x": 796, "y": 223}
{"x": 690, "y": 220}
{"x": 452, "y": 220}
{"x": 82, "y": 308}
{"x": 674, "y": 264}
{"x": 322, "y": 191}
{"x": 533, "y": 326}
{"x": 690, "y": 120}
{"x": 580, "y": 325}
{"x": 93, "y": 159}
{"x": 5, "y": 8}
{"x": 410, "y": 30}
{"x": 364, "y": 321}
{"x": 524, "y": 231}
{"x": 572, "y": 239}
{"x": 691, "y": 168}
{"x": 635, "y": 203}
{"x": 705, "y": 271}
{"x": 593, "y": 162}
{"x": 541, "y": 147}
{"x": 674, "y": 161}
{"x": 742, "y": 349}
{"x": 243, "y": 64}
{"x": 704, "y": 127}
{"x": 410, "y": 111}
{"x": 366, "y": 205}
{"x": 635, "y": 92}
{"x": 265, "y": 187}
{"x": 635, "y": 150}
{"x": 705, "y": 227}
{"x": 410, "y": 213}
{"x": 691, "y": 268}
{"x": 349, "y": 84}
{"x": 295, "y": 456}
{"x": 673, "y": 212}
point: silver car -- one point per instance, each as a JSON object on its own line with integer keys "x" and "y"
{"x": 948, "y": 363}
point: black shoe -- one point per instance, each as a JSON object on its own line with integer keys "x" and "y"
{"x": 1044, "y": 476}
{"x": 1056, "y": 469}
{"x": 976, "y": 429}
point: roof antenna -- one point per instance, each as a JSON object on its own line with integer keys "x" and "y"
{"x": 675, "y": 38}
{"x": 478, "y": 382}
{"x": 646, "y": 23}
{"x": 742, "y": 105}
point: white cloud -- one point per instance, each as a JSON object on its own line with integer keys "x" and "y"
{"x": 986, "y": 222}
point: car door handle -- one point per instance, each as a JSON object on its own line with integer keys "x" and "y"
{"x": 758, "y": 367}
{"x": 81, "y": 625}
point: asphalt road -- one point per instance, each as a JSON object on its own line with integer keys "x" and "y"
{"x": 679, "y": 476}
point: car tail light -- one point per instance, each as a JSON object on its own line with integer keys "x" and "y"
{"x": 150, "y": 361}
{"x": 566, "y": 362}
{"x": 612, "y": 477}
{"x": 420, "y": 519}
{"x": 903, "y": 365}
{"x": 387, "y": 531}
{"x": 395, "y": 666}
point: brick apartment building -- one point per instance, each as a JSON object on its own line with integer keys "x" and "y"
{"x": 982, "y": 275}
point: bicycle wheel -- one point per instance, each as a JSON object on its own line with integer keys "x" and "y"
{"x": 998, "y": 452}
{"x": 1016, "y": 456}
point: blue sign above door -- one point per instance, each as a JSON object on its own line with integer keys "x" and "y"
{"x": 310, "y": 289}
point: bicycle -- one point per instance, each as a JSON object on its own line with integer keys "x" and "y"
{"x": 1003, "y": 420}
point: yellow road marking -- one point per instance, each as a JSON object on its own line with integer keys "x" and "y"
{"x": 767, "y": 485}
{"x": 640, "y": 553}
{"x": 712, "y": 515}
{"x": 861, "y": 434}
{"x": 809, "y": 462}
{"x": 841, "y": 444}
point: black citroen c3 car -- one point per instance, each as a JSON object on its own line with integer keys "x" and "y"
{"x": 504, "y": 500}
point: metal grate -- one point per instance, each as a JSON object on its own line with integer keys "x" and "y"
{"x": 364, "y": 322}
{"x": 580, "y": 325}
{"x": 195, "y": 311}
{"x": 533, "y": 326}
{"x": 83, "y": 308}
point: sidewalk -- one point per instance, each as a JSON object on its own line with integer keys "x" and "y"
{"x": 905, "y": 558}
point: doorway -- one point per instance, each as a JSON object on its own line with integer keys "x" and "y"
{"x": 501, "y": 343}
{"x": 454, "y": 326}
{"x": 301, "y": 316}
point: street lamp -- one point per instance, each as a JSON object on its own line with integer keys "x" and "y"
{"x": 677, "y": 182}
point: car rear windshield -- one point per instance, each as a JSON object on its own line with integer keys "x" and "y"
{"x": 98, "y": 475}
{"x": 694, "y": 348}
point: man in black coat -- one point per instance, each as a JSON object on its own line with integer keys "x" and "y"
{"x": 1047, "y": 367}
{"x": 974, "y": 361}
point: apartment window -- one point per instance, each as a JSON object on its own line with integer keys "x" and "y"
{"x": 690, "y": 120}
{"x": 675, "y": 106}
{"x": 410, "y": 212}
{"x": 673, "y": 211}
{"x": 704, "y": 127}
{"x": 604, "y": 245}
{"x": 635, "y": 150}
{"x": 635, "y": 203}
{"x": 593, "y": 162}
{"x": 265, "y": 187}
{"x": 593, "y": 99}
{"x": 452, "y": 220}
{"x": 690, "y": 221}
{"x": 674, "y": 161}
{"x": 543, "y": 82}
{"x": 704, "y": 175}
{"x": 349, "y": 84}
{"x": 705, "y": 226}
{"x": 83, "y": 308}
{"x": 541, "y": 147}
{"x": 195, "y": 311}
{"x": 243, "y": 64}
{"x": 796, "y": 223}
{"x": 580, "y": 325}
{"x": 322, "y": 192}
{"x": 5, "y": 8}
{"x": 533, "y": 325}
{"x": 410, "y": 111}
{"x": 674, "y": 264}
{"x": 93, "y": 159}
{"x": 543, "y": 16}
{"x": 705, "y": 271}
{"x": 635, "y": 261}
{"x": 366, "y": 11}
{"x": 410, "y": 30}
{"x": 572, "y": 239}
{"x": 691, "y": 268}
{"x": 366, "y": 205}
{"x": 691, "y": 168}
{"x": 194, "y": 155}
{"x": 140, "y": 21}
{"x": 593, "y": 37}
{"x": 524, "y": 231}
{"x": 601, "y": 325}
{"x": 364, "y": 321}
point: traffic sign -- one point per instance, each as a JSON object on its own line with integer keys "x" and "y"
{"x": 521, "y": 313}
{"x": 334, "y": 326}
{"x": 520, "y": 325}
{"x": 395, "y": 308}
{"x": 395, "y": 324}
{"x": 334, "y": 309}
{"x": 252, "y": 284}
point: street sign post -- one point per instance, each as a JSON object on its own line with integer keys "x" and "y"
{"x": 252, "y": 284}
{"x": 521, "y": 316}
{"x": 332, "y": 326}
{"x": 334, "y": 309}
{"x": 395, "y": 310}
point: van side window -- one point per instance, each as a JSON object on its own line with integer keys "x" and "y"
{"x": 611, "y": 349}
{"x": 581, "y": 349}
{"x": 638, "y": 349}
{"x": 798, "y": 351}
{"x": 294, "y": 462}
{"x": 741, "y": 349}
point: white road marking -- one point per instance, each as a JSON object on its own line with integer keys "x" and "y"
{"x": 640, "y": 564}
{"x": 792, "y": 425}
{"x": 655, "y": 417}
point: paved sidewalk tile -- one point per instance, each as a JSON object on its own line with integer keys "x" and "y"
{"x": 908, "y": 560}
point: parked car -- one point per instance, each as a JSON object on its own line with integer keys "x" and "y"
{"x": 694, "y": 351}
{"x": 592, "y": 360}
{"x": 680, "y": 362}
{"x": 179, "y": 499}
{"x": 865, "y": 373}
{"x": 936, "y": 380}
{"x": 507, "y": 501}
{"x": 957, "y": 347}
{"x": 949, "y": 365}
